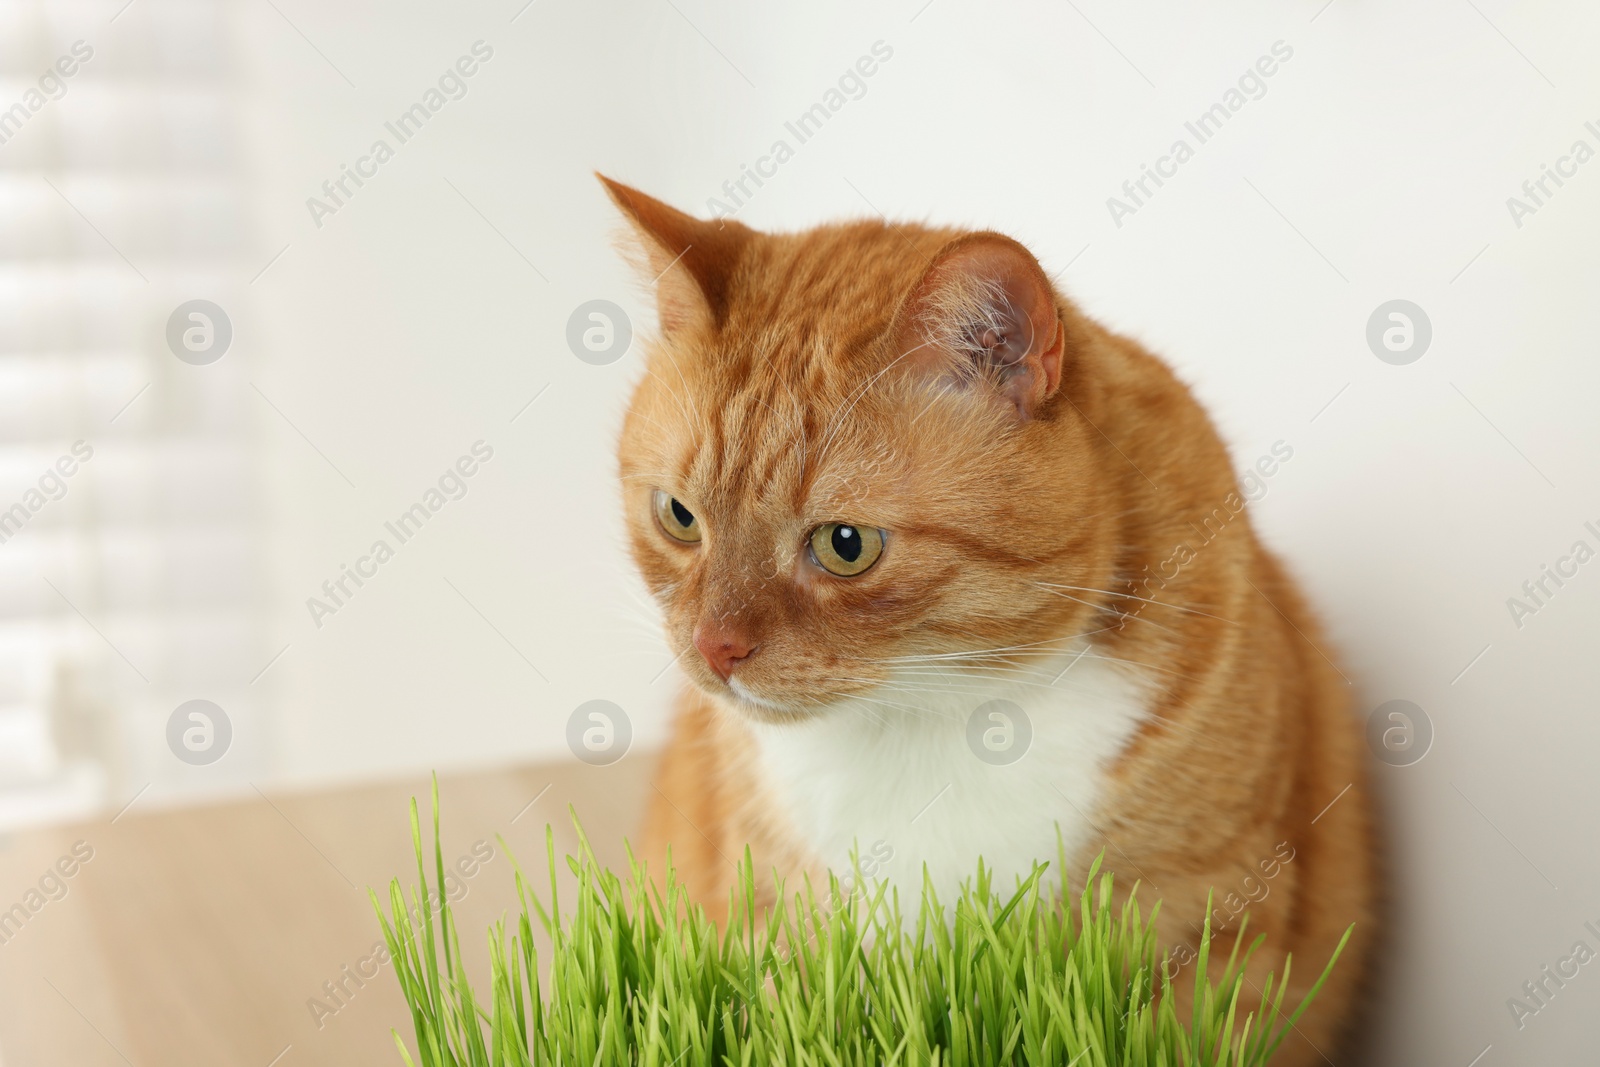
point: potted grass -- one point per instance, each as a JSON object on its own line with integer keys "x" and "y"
{"x": 636, "y": 974}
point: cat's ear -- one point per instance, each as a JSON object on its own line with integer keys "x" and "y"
{"x": 984, "y": 315}
{"x": 691, "y": 260}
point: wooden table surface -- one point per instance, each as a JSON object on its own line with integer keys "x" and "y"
{"x": 205, "y": 935}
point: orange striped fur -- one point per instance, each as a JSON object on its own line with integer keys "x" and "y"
{"x": 1034, "y": 486}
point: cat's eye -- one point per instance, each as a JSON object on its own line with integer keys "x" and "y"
{"x": 845, "y": 550}
{"x": 678, "y": 521}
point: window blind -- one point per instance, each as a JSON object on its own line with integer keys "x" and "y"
{"x": 132, "y": 583}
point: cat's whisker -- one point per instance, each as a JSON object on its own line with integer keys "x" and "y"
{"x": 1147, "y": 600}
{"x": 986, "y": 670}
{"x": 940, "y": 657}
{"x": 989, "y": 670}
{"x": 1086, "y": 654}
{"x": 987, "y": 684}
{"x": 1132, "y": 663}
{"x": 853, "y": 697}
{"x": 874, "y": 695}
{"x": 1190, "y": 726}
{"x": 1015, "y": 661}
{"x": 1124, "y": 616}
{"x": 1045, "y": 647}
{"x": 965, "y": 674}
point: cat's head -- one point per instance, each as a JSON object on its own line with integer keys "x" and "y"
{"x": 857, "y": 453}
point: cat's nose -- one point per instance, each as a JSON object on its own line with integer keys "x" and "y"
{"x": 722, "y": 649}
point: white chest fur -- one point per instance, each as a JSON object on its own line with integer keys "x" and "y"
{"x": 905, "y": 785}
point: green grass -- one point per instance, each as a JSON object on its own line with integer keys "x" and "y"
{"x": 638, "y": 975}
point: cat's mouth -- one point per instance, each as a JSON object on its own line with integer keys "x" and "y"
{"x": 768, "y": 708}
{"x": 744, "y": 695}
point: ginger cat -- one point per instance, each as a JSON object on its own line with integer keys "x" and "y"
{"x": 951, "y": 566}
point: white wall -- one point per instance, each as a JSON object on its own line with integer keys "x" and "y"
{"x": 1376, "y": 166}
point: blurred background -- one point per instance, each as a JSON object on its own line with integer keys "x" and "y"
{"x": 226, "y": 364}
